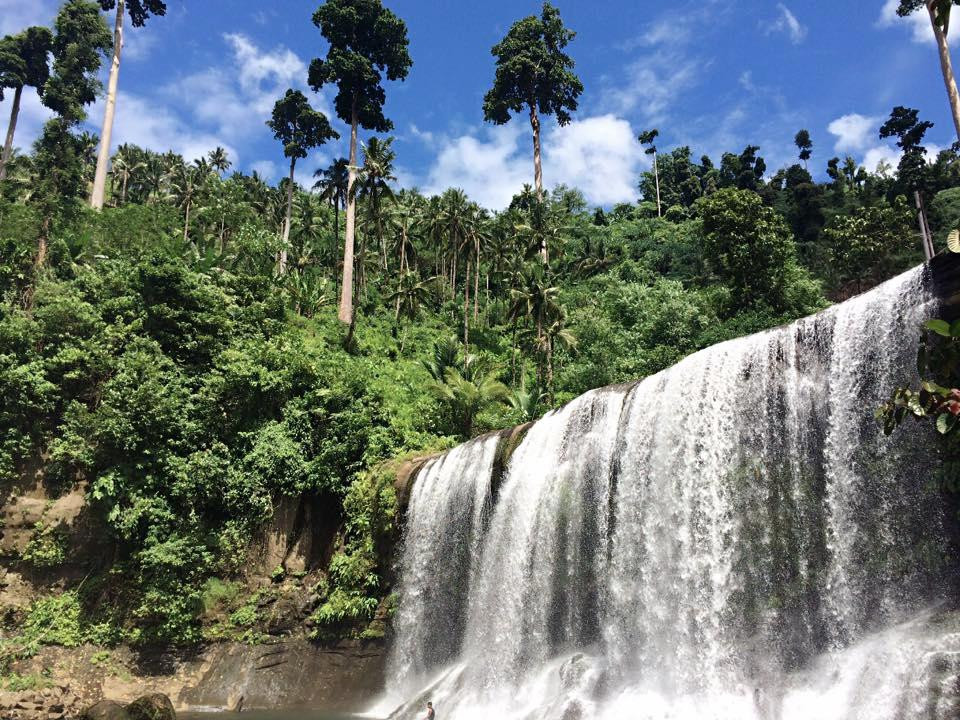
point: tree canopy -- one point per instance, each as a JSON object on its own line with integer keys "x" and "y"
{"x": 366, "y": 41}
{"x": 532, "y": 70}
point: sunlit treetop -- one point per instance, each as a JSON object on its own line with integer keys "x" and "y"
{"x": 139, "y": 10}
{"x": 533, "y": 70}
{"x": 366, "y": 41}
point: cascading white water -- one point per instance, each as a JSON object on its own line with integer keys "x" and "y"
{"x": 730, "y": 538}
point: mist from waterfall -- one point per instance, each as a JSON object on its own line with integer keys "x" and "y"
{"x": 730, "y": 538}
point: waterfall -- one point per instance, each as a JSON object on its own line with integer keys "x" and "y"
{"x": 733, "y": 537}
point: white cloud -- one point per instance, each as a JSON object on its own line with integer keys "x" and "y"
{"x": 15, "y": 15}
{"x": 881, "y": 153}
{"x": 787, "y": 23}
{"x": 141, "y": 121}
{"x": 854, "y": 132}
{"x": 237, "y": 99}
{"x": 652, "y": 84}
{"x": 426, "y": 136}
{"x": 31, "y": 119}
{"x": 599, "y": 155}
{"x": 267, "y": 169}
{"x": 918, "y": 22}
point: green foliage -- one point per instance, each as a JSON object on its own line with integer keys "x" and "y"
{"x": 937, "y": 400}
{"x": 871, "y": 242}
{"x": 355, "y": 586}
{"x": 366, "y": 39}
{"x": 46, "y": 548}
{"x": 533, "y": 71}
{"x": 749, "y": 246}
{"x": 298, "y": 126}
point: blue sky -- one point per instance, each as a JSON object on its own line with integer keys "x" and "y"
{"x": 713, "y": 74}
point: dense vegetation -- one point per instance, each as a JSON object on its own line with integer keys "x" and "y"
{"x": 178, "y": 353}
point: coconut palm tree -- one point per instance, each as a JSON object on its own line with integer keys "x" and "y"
{"x": 373, "y": 185}
{"x": 468, "y": 392}
{"x": 535, "y": 301}
{"x": 332, "y": 186}
{"x": 219, "y": 160}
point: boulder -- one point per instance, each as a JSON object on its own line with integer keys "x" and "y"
{"x": 105, "y": 710}
{"x": 155, "y": 706}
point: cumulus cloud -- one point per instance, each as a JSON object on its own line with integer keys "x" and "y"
{"x": 854, "y": 132}
{"x": 142, "y": 121}
{"x": 787, "y": 22}
{"x": 235, "y": 99}
{"x": 15, "y": 15}
{"x": 652, "y": 84}
{"x": 918, "y": 22}
{"x": 880, "y": 154}
{"x": 267, "y": 169}
{"x": 32, "y": 117}
{"x": 599, "y": 155}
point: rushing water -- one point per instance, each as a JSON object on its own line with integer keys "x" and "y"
{"x": 730, "y": 538}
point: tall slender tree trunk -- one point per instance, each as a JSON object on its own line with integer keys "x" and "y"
{"x": 476, "y": 281}
{"x": 186, "y": 222}
{"x": 537, "y": 169}
{"x": 656, "y": 178}
{"x": 346, "y": 291}
{"x": 946, "y": 66}
{"x": 466, "y": 314}
{"x": 11, "y": 129}
{"x": 403, "y": 257}
{"x": 103, "y": 158}
{"x": 123, "y": 189}
{"x": 550, "y": 369}
{"x": 335, "y": 250}
{"x": 925, "y": 237}
{"x": 286, "y": 220}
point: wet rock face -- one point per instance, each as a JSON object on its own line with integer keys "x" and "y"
{"x": 105, "y": 710}
{"x": 155, "y": 706}
{"x": 272, "y": 676}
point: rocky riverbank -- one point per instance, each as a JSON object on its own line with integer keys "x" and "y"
{"x": 52, "y": 703}
{"x": 283, "y": 674}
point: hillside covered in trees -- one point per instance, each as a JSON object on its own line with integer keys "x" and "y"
{"x": 187, "y": 344}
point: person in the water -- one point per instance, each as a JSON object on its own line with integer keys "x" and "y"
{"x": 430, "y": 713}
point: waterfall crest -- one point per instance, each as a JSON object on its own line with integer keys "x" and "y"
{"x": 730, "y": 538}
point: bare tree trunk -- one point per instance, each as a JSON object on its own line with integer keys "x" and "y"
{"x": 537, "y": 169}
{"x": 476, "y": 281}
{"x": 346, "y": 291}
{"x": 550, "y": 369}
{"x": 286, "y": 220}
{"x": 186, "y": 222}
{"x": 11, "y": 129}
{"x": 103, "y": 158}
{"x": 403, "y": 257}
{"x": 335, "y": 254}
{"x": 656, "y": 177}
{"x": 123, "y": 190}
{"x": 466, "y": 314}
{"x": 946, "y": 66}
{"x": 926, "y": 239}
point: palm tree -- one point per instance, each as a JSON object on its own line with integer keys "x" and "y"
{"x": 332, "y": 185}
{"x": 219, "y": 160}
{"x": 446, "y": 353}
{"x": 411, "y": 294}
{"x": 468, "y": 393}
{"x": 536, "y": 302}
{"x": 373, "y": 184}
{"x": 182, "y": 182}
{"x": 126, "y": 161}
{"x": 526, "y": 402}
